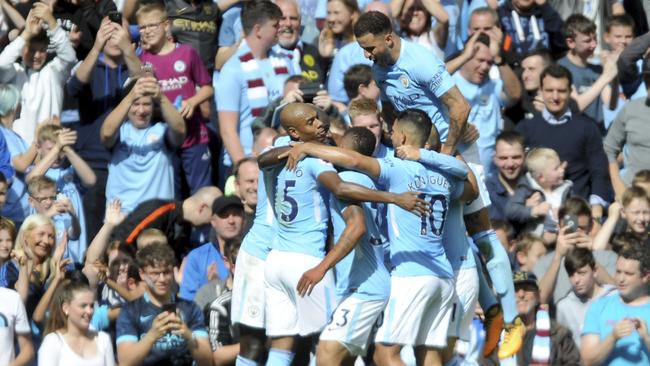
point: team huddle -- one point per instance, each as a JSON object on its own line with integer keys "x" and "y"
{"x": 400, "y": 269}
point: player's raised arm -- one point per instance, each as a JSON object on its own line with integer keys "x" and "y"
{"x": 446, "y": 163}
{"x": 355, "y": 227}
{"x": 458, "y": 112}
{"x": 345, "y": 158}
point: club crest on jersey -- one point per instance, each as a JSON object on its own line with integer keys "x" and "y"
{"x": 484, "y": 99}
{"x": 153, "y": 138}
{"x": 179, "y": 66}
{"x": 405, "y": 80}
{"x": 253, "y": 311}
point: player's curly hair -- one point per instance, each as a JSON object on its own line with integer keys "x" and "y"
{"x": 372, "y": 22}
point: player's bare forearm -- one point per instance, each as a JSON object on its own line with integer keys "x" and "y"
{"x": 110, "y": 127}
{"x": 272, "y": 158}
{"x": 470, "y": 190}
{"x": 355, "y": 227}
{"x": 458, "y": 112}
{"x": 345, "y": 158}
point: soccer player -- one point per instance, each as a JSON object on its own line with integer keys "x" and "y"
{"x": 422, "y": 287}
{"x": 457, "y": 248}
{"x": 406, "y": 82}
{"x": 302, "y": 218}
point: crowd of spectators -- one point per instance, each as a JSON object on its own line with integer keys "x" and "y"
{"x": 128, "y": 175}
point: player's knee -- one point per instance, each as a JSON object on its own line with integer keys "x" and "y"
{"x": 330, "y": 353}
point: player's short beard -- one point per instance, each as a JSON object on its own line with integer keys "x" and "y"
{"x": 384, "y": 58}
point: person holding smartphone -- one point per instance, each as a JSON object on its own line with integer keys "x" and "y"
{"x": 158, "y": 329}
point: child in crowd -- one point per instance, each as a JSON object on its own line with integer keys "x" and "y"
{"x": 58, "y": 161}
{"x": 631, "y": 215}
{"x": 540, "y": 193}
{"x": 529, "y": 249}
{"x": 8, "y": 267}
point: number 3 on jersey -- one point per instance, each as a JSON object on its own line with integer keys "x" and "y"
{"x": 287, "y": 200}
{"x": 436, "y": 219}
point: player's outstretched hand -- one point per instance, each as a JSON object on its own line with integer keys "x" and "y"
{"x": 408, "y": 152}
{"x": 309, "y": 280}
{"x": 410, "y": 201}
{"x": 294, "y": 155}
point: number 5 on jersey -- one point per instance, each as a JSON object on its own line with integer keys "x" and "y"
{"x": 287, "y": 200}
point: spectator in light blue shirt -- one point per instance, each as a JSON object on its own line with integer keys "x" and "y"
{"x": 206, "y": 262}
{"x": 615, "y": 330}
{"x": 486, "y": 96}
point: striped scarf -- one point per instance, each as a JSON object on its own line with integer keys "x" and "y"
{"x": 258, "y": 94}
{"x": 542, "y": 341}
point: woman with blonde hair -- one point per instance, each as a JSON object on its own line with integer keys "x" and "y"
{"x": 68, "y": 339}
{"x": 36, "y": 257}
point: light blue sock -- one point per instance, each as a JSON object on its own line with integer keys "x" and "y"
{"x": 279, "y": 357}
{"x": 243, "y": 361}
{"x": 486, "y": 297}
{"x": 498, "y": 267}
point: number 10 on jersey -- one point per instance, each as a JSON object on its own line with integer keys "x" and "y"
{"x": 435, "y": 221}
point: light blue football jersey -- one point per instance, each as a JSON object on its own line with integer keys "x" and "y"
{"x": 300, "y": 207}
{"x": 454, "y": 238}
{"x": 259, "y": 239}
{"x": 362, "y": 272}
{"x": 416, "y": 241}
{"x": 417, "y": 80}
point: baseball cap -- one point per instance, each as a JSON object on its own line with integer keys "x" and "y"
{"x": 222, "y": 203}
{"x": 524, "y": 278}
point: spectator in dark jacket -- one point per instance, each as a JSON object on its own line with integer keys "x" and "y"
{"x": 509, "y": 161}
{"x": 575, "y": 138}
